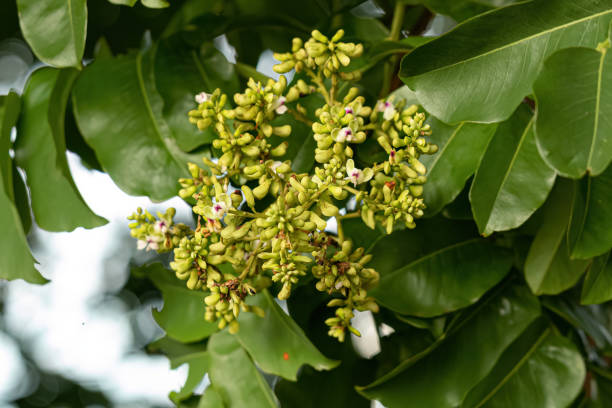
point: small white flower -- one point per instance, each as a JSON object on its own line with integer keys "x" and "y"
{"x": 344, "y": 135}
{"x": 151, "y": 242}
{"x": 275, "y": 166}
{"x": 161, "y": 227}
{"x": 279, "y": 105}
{"x": 387, "y": 108}
{"x": 355, "y": 175}
{"x": 202, "y": 97}
{"x": 217, "y": 210}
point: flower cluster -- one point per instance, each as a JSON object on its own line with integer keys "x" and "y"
{"x": 260, "y": 223}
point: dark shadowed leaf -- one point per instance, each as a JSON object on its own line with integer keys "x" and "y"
{"x": 597, "y": 286}
{"x": 590, "y": 231}
{"x": 182, "y": 71}
{"x": 540, "y": 369}
{"x": 548, "y": 268}
{"x": 441, "y": 377}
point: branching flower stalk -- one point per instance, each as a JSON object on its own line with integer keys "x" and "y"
{"x": 273, "y": 228}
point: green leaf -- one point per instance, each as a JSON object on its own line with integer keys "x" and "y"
{"x": 512, "y": 180}
{"x": 198, "y": 366}
{"x": 22, "y": 202}
{"x": 444, "y": 280}
{"x": 461, "y": 9}
{"x": 441, "y": 376}
{"x": 590, "y": 231}
{"x": 597, "y": 286}
{"x": 575, "y": 74}
{"x": 461, "y": 149}
{"x": 180, "y": 73}
{"x": 182, "y": 316}
{"x": 55, "y": 29}
{"x": 593, "y": 319}
{"x": 234, "y": 375}
{"x": 276, "y": 343}
{"x": 540, "y": 369}
{"x": 16, "y": 261}
{"x": 482, "y": 69}
{"x": 10, "y": 107}
{"x": 155, "y": 4}
{"x": 119, "y": 113}
{"x": 211, "y": 399}
{"x": 548, "y": 268}
{"x": 40, "y": 150}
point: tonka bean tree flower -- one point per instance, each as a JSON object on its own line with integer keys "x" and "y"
{"x": 241, "y": 246}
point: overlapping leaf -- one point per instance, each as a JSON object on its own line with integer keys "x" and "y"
{"x": 483, "y": 68}
{"x": 119, "y": 113}
{"x": 461, "y": 148}
{"x": 40, "y": 150}
{"x": 450, "y": 270}
{"x": 276, "y": 343}
{"x": 512, "y": 180}
{"x": 16, "y": 261}
{"x": 574, "y": 99}
{"x": 590, "y": 231}
{"x": 235, "y": 377}
{"x": 441, "y": 376}
{"x": 55, "y": 29}
{"x": 182, "y": 316}
{"x": 548, "y": 268}
{"x": 597, "y": 286}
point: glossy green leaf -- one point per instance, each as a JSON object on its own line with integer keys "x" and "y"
{"x": 40, "y": 149}
{"x": 16, "y": 261}
{"x": 590, "y": 231}
{"x": 540, "y": 369}
{"x": 442, "y": 376}
{"x": 445, "y": 280}
{"x": 119, "y": 113}
{"x": 461, "y": 148}
{"x": 55, "y": 29}
{"x": 276, "y": 343}
{"x": 512, "y": 180}
{"x": 482, "y": 69}
{"x": 597, "y": 286}
{"x": 182, "y": 316}
{"x": 234, "y": 375}
{"x": 181, "y": 72}
{"x": 575, "y": 74}
{"x": 461, "y": 9}
{"x": 548, "y": 268}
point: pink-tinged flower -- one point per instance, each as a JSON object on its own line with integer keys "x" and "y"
{"x": 344, "y": 135}
{"x": 202, "y": 97}
{"x": 387, "y": 108}
{"x": 161, "y": 227}
{"x": 217, "y": 210}
{"x": 348, "y": 110}
{"x": 392, "y": 155}
{"x": 355, "y": 175}
{"x": 279, "y": 105}
{"x": 151, "y": 242}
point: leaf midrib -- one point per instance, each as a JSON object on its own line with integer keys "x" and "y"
{"x": 514, "y": 369}
{"x": 508, "y": 171}
{"x": 514, "y": 43}
{"x": 149, "y": 109}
